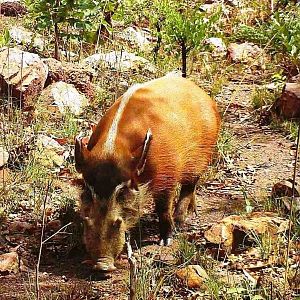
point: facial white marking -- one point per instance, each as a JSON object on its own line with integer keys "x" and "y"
{"x": 112, "y": 133}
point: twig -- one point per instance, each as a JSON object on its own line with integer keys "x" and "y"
{"x": 58, "y": 231}
{"x": 132, "y": 270}
{"x": 37, "y": 288}
{"x": 291, "y": 214}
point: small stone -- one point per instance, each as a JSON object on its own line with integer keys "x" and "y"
{"x": 9, "y": 263}
{"x": 193, "y": 275}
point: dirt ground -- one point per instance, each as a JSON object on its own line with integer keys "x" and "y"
{"x": 261, "y": 158}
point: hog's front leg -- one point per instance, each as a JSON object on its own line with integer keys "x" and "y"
{"x": 164, "y": 210}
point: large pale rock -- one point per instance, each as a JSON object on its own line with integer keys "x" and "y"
{"x": 232, "y": 231}
{"x": 244, "y": 52}
{"x": 288, "y": 104}
{"x": 119, "y": 60}
{"x": 193, "y": 276}
{"x": 137, "y": 37}
{"x": 23, "y": 73}
{"x": 65, "y": 97}
{"x": 22, "y": 36}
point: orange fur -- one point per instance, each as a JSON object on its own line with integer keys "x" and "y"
{"x": 184, "y": 122}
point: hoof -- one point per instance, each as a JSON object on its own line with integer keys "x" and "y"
{"x": 165, "y": 242}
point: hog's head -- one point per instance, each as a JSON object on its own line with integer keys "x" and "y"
{"x": 110, "y": 205}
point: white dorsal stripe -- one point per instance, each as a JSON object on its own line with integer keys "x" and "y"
{"x": 109, "y": 144}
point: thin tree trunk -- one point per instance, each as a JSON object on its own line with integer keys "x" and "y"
{"x": 56, "y": 41}
{"x": 159, "y": 38}
{"x": 56, "y": 33}
{"x": 183, "y": 57}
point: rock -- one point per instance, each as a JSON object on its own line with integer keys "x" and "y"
{"x": 54, "y": 225}
{"x": 12, "y": 8}
{"x": 219, "y": 47}
{"x": 282, "y": 192}
{"x": 296, "y": 78}
{"x": 287, "y": 105}
{"x": 24, "y": 73}
{"x": 233, "y": 231}
{"x": 244, "y": 52}
{"x": 193, "y": 276}
{"x": 49, "y": 152}
{"x": 9, "y": 263}
{"x": 77, "y": 75}
{"x": 285, "y": 188}
{"x": 4, "y": 155}
{"x": 119, "y": 60}
{"x": 22, "y": 36}
{"x": 21, "y": 227}
{"x": 56, "y": 71}
{"x": 234, "y": 3}
{"x": 65, "y": 97}
{"x": 44, "y": 141}
{"x": 212, "y": 6}
{"x": 81, "y": 78}
{"x": 174, "y": 73}
{"x": 137, "y": 37}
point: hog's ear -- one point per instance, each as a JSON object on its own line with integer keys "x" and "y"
{"x": 143, "y": 157}
{"x": 80, "y": 153}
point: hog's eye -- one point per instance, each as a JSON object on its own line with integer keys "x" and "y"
{"x": 121, "y": 193}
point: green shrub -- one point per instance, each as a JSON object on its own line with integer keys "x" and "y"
{"x": 280, "y": 34}
{"x": 70, "y": 19}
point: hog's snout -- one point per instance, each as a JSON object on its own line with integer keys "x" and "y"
{"x": 104, "y": 264}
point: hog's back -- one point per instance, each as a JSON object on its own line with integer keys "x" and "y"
{"x": 184, "y": 122}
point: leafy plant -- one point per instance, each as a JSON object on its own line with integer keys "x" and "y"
{"x": 186, "y": 251}
{"x": 225, "y": 145}
{"x": 262, "y": 97}
{"x": 280, "y": 34}
{"x": 184, "y": 27}
{"x": 70, "y": 19}
{"x": 4, "y": 38}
